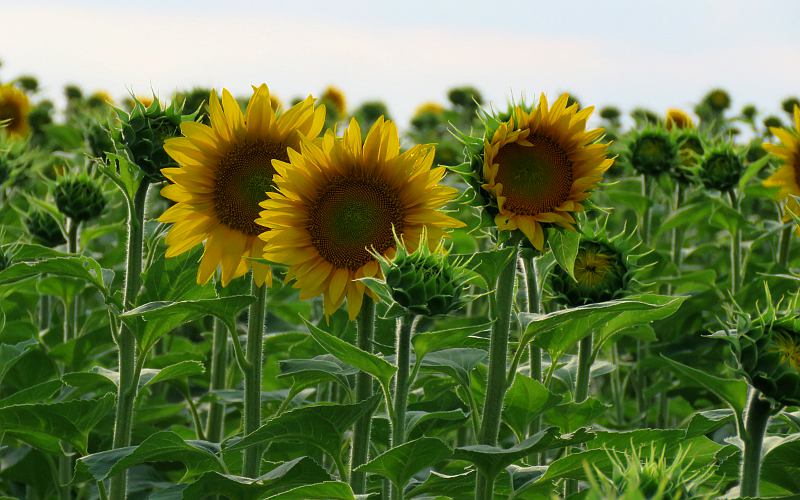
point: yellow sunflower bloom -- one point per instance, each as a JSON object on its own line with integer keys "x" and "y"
{"x": 14, "y": 109}
{"x": 787, "y": 177}
{"x": 225, "y": 171}
{"x": 540, "y": 165}
{"x": 340, "y": 198}
{"x": 677, "y": 118}
{"x": 429, "y": 107}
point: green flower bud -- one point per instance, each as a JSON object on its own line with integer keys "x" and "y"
{"x": 144, "y": 131}
{"x": 769, "y": 356}
{"x": 41, "y": 115}
{"x": 44, "y": 228}
{"x": 690, "y": 150}
{"x": 28, "y": 83}
{"x": 425, "y": 283}
{"x": 98, "y": 139}
{"x": 755, "y": 151}
{"x": 79, "y": 197}
{"x": 468, "y": 98}
{"x": 73, "y": 92}
{"x": 772, "y": 122}
{"x": 717, "y": 100}
{"x": 789, "y": 104}
{"x": 368, "y": 112}
{"x": 644, "y": 117}
{"x": 721, "y": 169}
{"x": 653, "y": 152}
{"x": 600, "y": 274}
{"x": 610, "y": 113}
{"x": 749, "y": 112}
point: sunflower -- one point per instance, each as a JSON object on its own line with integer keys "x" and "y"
{"x": 677, "y": 118}
{"x": 339, "y": 200}
{"x": 787, "y": 177}
{"x": 14, "y": 109}
{"x": 539, "y": 166}
{"x": 335, "y": 97}
{"x": 224, "y": 171}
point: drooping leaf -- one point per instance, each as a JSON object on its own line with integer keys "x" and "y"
{"x": 570, "y": 416}
{"x": 81, "y": 267}
{"x": 427, "y": 342}
{"x": 729, "y": 390}
{"x": 457, "y": 363}
{"x": 564, "y": 245}
{"x": 11, "y": 353}
{"x": 164, "y": 446}
{"x": 177, "y": 371}
{"x": 400, "y": 463}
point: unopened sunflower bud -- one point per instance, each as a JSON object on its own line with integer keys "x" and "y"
{"x": 721, "y": 169}
{"x": 144, "y": 131}
{"x": 79, "y": 197}
{"x": 600, "y": 274}
{"x": 769, "y": 356}
{"x": 426, "y": 283}
{"x": 44, "y": 228}
{"x": 653, "y": 152}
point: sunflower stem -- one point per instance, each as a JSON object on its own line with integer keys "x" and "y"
{"x": 498, "y": 352}
{"x": 616, "y": 386}
{"x": 126, "y": 340}
{"x": 71, "y": 306}
{"x": 405, "y": 329}
{"x": 219, "y": 357}
{"x": 359, "y": 452}
{"x": 784, "y": 245}
{"x": 256, "y": 317}
{"x": 736, "y": 248}
{"x": 534, "y": 305}
{"x": 756, "y": 419}
{"x": 678, "y": 232}
{"x": 581, "y": 389}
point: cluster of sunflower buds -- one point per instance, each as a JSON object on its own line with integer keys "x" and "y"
{"x": 769, "y": 356}
{"x": 79, "y": 197}
{"x": 44, "y": 228}
{"x": 600, "y": 275}
{"x": 144, "y": 131}
{"x": 426, "y": 283}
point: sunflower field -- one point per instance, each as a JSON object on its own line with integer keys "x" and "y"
{"x": 238, "y": 297}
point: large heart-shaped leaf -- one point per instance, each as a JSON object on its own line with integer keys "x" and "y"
{"x": 399, "y": 464}
{"x": 525, "y": 400}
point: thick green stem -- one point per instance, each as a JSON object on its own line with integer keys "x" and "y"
{"x": 71, "y": 306}
{"x": 256, "y": 319}
{"x": 219, "y": 358}
{"x": 644, "y": 227}
{"x": 359, "y": 451}
{"x": 44, "y": 312}
{"x": 584, "y": 369}
{"x": 736, "y": 249}
{"x": 405, "y": 328}
{"x": 640, "y": 379}
{"x": 756, "y": 418}
{"x": 616, "y": 386}
{"x": 498, "y": 352}
{"x": 534, "y": 297}
{"x": 126, "y": 341}
{"x": 677, "y": 233}
{"x": 784, "y": 245}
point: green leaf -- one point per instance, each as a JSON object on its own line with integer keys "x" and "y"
{"x": 379, "y": 368}
{"x": 559, "y": 331}
{"x": 427, "y": 342}
{"x": 286, "y": 476}
{"x": 781, "y": 463}
{"x": 457, "y": 363}
{"x": 322, "y": 425}
{"x": 329, "y": 490}
{"x": 36, "y": 393}
{"x": 11, "y": 353}
{"x": 416, "y": 418}
{"x": 570, "y": 416}
{"x": 689, "y": 214}
{"x": 310, "y": 371}
{"x": 81, "y": 267}
{"x": 44, "y": 425}
{"x": 161, "y": 318}
{"x": 752, "y": 170}
{"x": 564, "y": 245}
{"x": 164, "y": 446}
{"x": 731, "y": 391}
{"x": 179, "y": 370}
{"x": 489, "y": 264}
{"x": 705, "y": 422}
{"x": 399, "y": 464}
{"x": 525, "y": 400}
{"x": 492, "y": 459}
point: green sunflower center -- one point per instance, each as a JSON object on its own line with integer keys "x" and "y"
{"x": 352, "y": 215}
{"x": 788, "y": 346}
{"x": 536, "y": 179}
{"x": 243, "y": 177}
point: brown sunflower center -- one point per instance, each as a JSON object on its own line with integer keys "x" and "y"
{"x": 352, "y": 215}
{"x": 536, "y": 178}
{"x": 10, "y": 114}
{"x": 797, "y": 166}
{"x": 244, "y": 175}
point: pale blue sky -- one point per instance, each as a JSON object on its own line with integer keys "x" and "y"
{"x": 628, "y": 53}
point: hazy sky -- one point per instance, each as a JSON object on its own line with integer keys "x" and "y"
{"x": 628, "y": 53}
